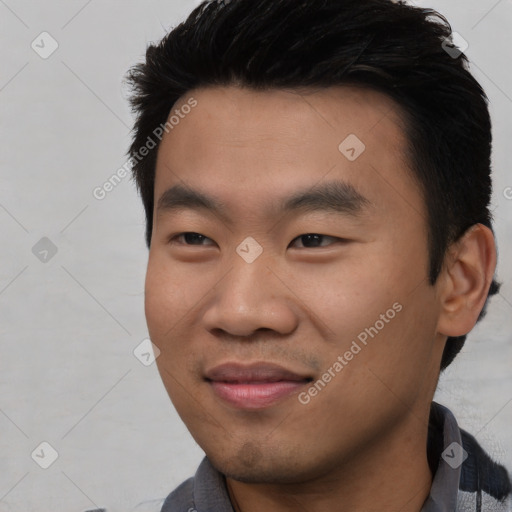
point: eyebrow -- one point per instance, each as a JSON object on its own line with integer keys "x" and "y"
{"x": 334, "y": 196}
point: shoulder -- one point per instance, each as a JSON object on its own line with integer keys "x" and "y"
{"x": 145, "y": 506}
{"x": 481, "y": 474}
{"x": 466, "y": 478}
{"x": 205, "y": 491}
{"x": 182, "y": 498}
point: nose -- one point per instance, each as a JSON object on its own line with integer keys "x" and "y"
{"x": 250, "y": 297}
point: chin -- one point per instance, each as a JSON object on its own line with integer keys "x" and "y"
{"x": 252, "y": 464}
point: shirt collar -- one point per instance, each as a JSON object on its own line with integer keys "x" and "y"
{"x": 210, "y": 491}
{"x": 445, "y": 485}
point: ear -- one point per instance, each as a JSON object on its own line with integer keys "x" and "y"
{"x": 465, "y": 280}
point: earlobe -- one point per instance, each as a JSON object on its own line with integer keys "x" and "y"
{"x": 466, "y": 277}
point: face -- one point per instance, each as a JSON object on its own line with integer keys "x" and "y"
{"x": 287, "y": 279}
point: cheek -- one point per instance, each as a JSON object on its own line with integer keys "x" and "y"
{"x": 166, "y": 297}
{"x": 168, "y": 302}
{"x": 174, "y": 296}
{"x": 349, "y": 296}
{"x": 380, "y": 296}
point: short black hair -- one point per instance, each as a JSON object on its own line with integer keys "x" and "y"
{"x": 389, "y": 46}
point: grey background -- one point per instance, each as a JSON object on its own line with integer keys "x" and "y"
{"x": 68, "y": 326}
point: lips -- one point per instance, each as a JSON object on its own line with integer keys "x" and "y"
{"x": 254, "y": 386}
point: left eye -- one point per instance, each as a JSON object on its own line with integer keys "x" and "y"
{"x": 312, "y": 240}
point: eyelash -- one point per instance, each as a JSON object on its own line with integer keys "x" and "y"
{"x": 180, "y": 235}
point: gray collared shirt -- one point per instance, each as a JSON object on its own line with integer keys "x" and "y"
{"x": 466, "y": 478}
{"x": 207, "y": 491}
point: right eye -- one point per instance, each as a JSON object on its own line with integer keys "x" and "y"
{"x": 189, "y": 238}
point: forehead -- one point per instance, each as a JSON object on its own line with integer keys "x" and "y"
{"x": 337, "y": 107}
{"x": 258, "y": 143}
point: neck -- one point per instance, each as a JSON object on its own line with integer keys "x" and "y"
{"x": 391, "y": 474}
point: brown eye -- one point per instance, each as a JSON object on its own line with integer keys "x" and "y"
{"x": 312, "y": 240}
{"x": 190, "y": 238}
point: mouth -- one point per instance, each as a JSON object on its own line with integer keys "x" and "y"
{"x": 254, "y": 386}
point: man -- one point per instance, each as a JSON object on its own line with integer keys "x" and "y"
{"x": 316, "y": 181}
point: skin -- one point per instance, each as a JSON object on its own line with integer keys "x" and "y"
{"x": 301, "y": 305}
